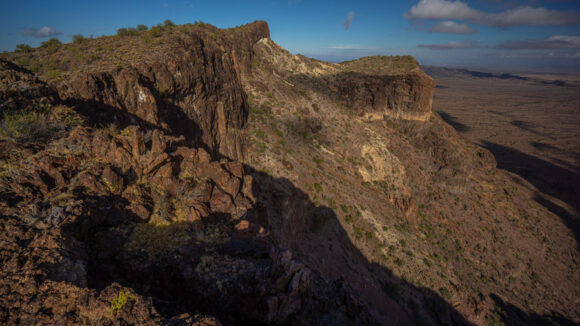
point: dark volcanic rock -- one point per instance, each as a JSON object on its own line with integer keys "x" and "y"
{"x": 19, "y": 88}
{"x": 194, "y": 90}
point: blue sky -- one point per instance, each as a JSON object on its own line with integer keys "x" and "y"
{"x": 518, "y": 34}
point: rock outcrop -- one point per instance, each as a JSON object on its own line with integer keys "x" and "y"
{"x": 193, "y": 89}
{"x": 408, "y": 96}
{"x": 20, "y": 88}
{"x": 100, "y": 207}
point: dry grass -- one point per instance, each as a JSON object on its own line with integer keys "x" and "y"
{"x": 103, "y": 53}
{"x": 381, "y": 65}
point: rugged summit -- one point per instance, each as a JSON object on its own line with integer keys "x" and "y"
{"x": 189, "y": 175}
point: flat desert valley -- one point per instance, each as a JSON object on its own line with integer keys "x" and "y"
{"x": 531, "y": 124}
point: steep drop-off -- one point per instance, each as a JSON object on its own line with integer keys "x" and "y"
{"x": 392, "y": 199}
{"x": 203, "y": 176}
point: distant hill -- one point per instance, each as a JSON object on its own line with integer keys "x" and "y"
{"x": 437, "y": 72}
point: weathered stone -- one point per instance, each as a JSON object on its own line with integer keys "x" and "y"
{"x": 135, "y": 137}
{"x": 247, "y": 188}
{"x": 220, "y": 201}
{"x": 88, "y": 181}
{"x": 112, "y": 180}
{"x": 158, "y": 144}
{"x": 236, "y": 168}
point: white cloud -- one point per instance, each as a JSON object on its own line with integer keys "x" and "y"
{"x": 552, "y": 42}
{"x": 452, "y": 27}
{"x": 42, "y": 32}
{"x": 349, "y": 19}
{"x": 458, "y": 10}
{"x": 442, "y": 9}
{"x": 451, "y": 45}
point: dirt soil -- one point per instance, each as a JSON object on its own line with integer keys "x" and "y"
{"x": 531, "y": 126}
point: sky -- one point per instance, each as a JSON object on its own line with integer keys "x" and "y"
{"x": 534, "y": 35}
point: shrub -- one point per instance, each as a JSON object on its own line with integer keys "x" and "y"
{"x": 168, "y": 23}
{"x": 130, "y": 31}
{"x": 24, "y": 48}
{"x": 39, "y": 123}
{"x": 142, "y": 27}
{"x": 156, "y": 31}
{"x": 349, "y": 219}
{"x": 260, "y": 134}
{"x": 118, "y": 302}
{"x": 78, "y": 39}
{"x": 51, "y": 45}
{"x": 445, "y": 293}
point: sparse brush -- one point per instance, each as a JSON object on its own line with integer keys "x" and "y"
{"x": 39, "y": 123}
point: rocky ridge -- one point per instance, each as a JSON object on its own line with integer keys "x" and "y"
{"x": 350, "y": 202}
{"x": 390, "y": 197}
{"x": 107, "y": 205}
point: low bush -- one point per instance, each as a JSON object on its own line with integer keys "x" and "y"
{"x": 39, "y": 123}
{"x": 119, "y": 302}
{"x": 78, "y": 39}
{"x": 52, "y": 45}
{"x": 130, "y": 31}
{"x": 23, "y": 48}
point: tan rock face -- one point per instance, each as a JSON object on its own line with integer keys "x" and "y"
{"x": 407, "y": 96}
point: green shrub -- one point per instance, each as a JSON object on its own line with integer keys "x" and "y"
{"x": 156, "y": 31}
{"x": 260, "y": 134}
{"x": 129, "y": 31}
{"x": 39, "y": 123}
{"x": 445, "y": 293}
{"x": 51, "y": 45}
{"x": 168, "y": 23}
{"x": 142, "y": 27}
{"x": 496, "y": 317}
{"x": 349, "y": 219}
{"x": 318, "y": 187}
{"x": 23, "y": 61}
{"x": 118, "y": 303}
{"x": 78, "y": 39}
{"x": 23, "y": 48}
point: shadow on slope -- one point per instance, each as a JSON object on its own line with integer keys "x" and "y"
{"x": 311, "y": 232}
{"x": 511, "y": 315}
{"x": 316, "y": 236}
{"x": 451, "y": 120}
{"x": 550, "y": 179}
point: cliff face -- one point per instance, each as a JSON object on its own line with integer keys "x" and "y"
{"x": 343, "y": 199}
{"x": 193, "y": 89}
{"x": 94, "y": 207}
{"x": 373, "y": 187}
{"x": 376, "y": 87}
{"x": 408, "y": 96}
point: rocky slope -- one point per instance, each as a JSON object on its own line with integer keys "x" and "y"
{"x": 405, "y": 193}
{"x": 217, "y": 178}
